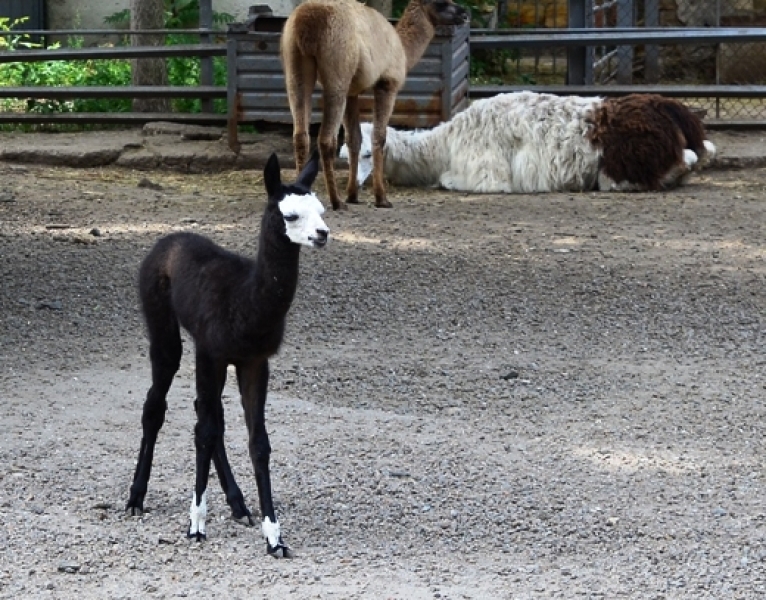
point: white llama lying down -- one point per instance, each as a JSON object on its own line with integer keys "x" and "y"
{"x": 527, "y": 142}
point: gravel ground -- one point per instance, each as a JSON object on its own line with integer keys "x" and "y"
{"x": 552, "y": 396}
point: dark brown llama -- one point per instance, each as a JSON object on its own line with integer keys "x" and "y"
{"x": 234, "y": 308}
{"x": 648, "y": 142}
{"x": 351, "y": 48}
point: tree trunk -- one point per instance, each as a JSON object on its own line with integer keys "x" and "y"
{"x": 382, "y": 6}
{"x": 149, "y": 14}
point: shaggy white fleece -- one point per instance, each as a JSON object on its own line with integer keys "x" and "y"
{"x": 513, "y": 143}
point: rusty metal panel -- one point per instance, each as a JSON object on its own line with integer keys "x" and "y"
{"x": 435, "y": 88}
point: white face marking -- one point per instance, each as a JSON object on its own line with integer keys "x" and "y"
{"x": 271, "y": 531}
{"x": 303, "y": 220}
{"x": 197, "y": 514}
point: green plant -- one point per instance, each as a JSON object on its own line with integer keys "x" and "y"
{"x": 179, "y": 14}
{"x": 20, "y": 40}
{"x": 59, "y": 73}
{"x": 185, "y": 71}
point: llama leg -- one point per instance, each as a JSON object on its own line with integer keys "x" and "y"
{"x": 384, "y": 94}
{"x": 679, "y": 172}
{"x": 253, "y": 383}
{"x": 165, "y": 350}
{"x": 207, "y": 436}
{"x": 607, "y": 184}
{"x": 234, "y": 497}
{"x": 301, "y": 76}
{"x": 332, "y": 115}
{"x": 354, "y": 143}
{"x": 484, "y": 174}
{"x": 708, "y": 156}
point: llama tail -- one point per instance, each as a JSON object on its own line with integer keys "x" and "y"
{"x": 303, "y": 27}
{"x": 690, "y": 124}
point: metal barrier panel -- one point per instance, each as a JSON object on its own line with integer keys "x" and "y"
{"x": 722, "y": 63}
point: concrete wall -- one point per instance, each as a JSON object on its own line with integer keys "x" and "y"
{"x": 90, "y": 14}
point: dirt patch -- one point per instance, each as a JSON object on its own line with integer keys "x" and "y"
{"x": 550, "y": 396}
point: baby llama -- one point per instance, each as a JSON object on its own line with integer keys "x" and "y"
{"x": 234, "y": 308}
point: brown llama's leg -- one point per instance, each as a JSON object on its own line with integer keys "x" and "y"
{"x": 354, "y": 143}
{"x": 384, "y": 94}
{"x": 332, "y": 115}
{"x": 165, "y": 350}
{"x": 300, "y": 79}
{"x": 253, "y": 384}
{"x": 208, "y": 435}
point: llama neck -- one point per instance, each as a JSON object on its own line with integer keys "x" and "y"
{"x": 275, "y": 274}
{"x": 416, "y": 157}
{"x": 415, "y": 32}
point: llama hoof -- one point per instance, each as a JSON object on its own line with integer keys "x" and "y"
{"x": 340, "y": 206}
{"x": 198, "y": 536}
{"x": 239, "y": 510}
{"x": 383, "y": 204}
{"x": 246, "y": 519}
{"x": 135, "y": 505}
{"x": 280, "y": 550}
{"x": 352, "y": 200}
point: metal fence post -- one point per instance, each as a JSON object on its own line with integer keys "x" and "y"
{"x": 579, "y": 65}
{"x": 652, "y": 53}
{"x": 625, "y": 53}
{"x": 206, "y": 64}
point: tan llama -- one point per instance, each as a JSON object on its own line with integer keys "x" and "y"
{"x": 349, "y": 48}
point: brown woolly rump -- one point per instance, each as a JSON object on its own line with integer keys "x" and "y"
{"x": 643, "y": 136}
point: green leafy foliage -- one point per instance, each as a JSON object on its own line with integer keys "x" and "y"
{"x": 59, "y": 73}
{"x": 20, "y": 40}
{"x": 182, "y": 71}
{"x": 179, "y": 14}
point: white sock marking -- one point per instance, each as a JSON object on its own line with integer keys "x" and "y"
{"x": 271, "y": 531}
{"x": 197, "y": 514}
{"x": 690, "y": 158}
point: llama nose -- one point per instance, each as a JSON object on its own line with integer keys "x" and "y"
{"x": 322, "y": 235}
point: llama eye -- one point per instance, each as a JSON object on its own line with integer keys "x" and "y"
{"x": 291, "y": 218}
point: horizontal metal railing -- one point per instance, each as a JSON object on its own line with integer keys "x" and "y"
{"x": 479, "y": 39}
{"x": 205, "y": 93}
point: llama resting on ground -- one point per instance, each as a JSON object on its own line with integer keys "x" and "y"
{"x": 350, "y": 48}
{"x": 234, "y": 308}
{"x": 527, "y": 142}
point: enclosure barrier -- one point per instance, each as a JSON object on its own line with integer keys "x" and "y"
{"x": 581, "y": 38}
{"x": 435, "y": 89}
{"x": 205, "y": 93}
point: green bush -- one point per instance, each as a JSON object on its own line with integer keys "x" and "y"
{"x": 182, "y": 71}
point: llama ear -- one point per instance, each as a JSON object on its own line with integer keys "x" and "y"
{"x": 309, "y": 172}
{"x": 271, "y": 177}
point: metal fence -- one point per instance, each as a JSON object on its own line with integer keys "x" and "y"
{"x": 723, "y": 63}
{"x": 610, "y": 47}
